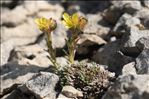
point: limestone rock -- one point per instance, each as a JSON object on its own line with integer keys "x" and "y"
{"x": 129, "y": 87}
{"x": 129, "y": 69}
{"x": 130, "y": 38}
{"x": 86, "y": 43}
{"x": 42, "y": 85}
{"x": 13, "y": 73}
{"x": 142, "y": 62}
{"x": 71, "y": 92}
{"x": 93, "y": 26}
{"x": 143, "y": 43}
{"x": 111, "y": 56}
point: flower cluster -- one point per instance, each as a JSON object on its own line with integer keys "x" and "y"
{"x": 74, "y": 23}
{"x": 46, "y": 25}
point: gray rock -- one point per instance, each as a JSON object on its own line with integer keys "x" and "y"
{"x": 42, "y": 85}
{"x": 127, "y": 6}
{"x": 124, "y": 22}
{"x": 34, "y": 55}
{"x": 86, "y": 43}
{"x": 61, "y": 96}
{"x": 71, "y": 92}
{"x": 111, "y": 56}
{"x": 13, "y": 73}
{"x": 118, "y": 28}
{"x": 134, "y": 35}
{"x": 146, "y": 3}
{"x": 142, "y": 62}
{"x": 94, "y": 26}
{"x": 143, "y": 43}
{"x": 30, "y": 55}
{"x": 129, "y": 87}
{"x": 9, "y": 18}
{"x": 143, "y": 15}
{"x": 59, "y": 36}
{"x": 6, "y": 48}
{"x": 27, "y": 30}
{"x": 112, "y": 14}
{"x": 129, "y": 69}
{"x": 130, "y": 38}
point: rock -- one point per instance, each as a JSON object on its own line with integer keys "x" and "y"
{"x": 71, "y": 92}
{"x": 118, "y": 28}
{"x": 93, "y": 26}
{"x": 9, "y": 18}
{"x": 112, "y": 39}
{"x": 146, "y": 3}
{"x": 129, "y": 69}
{"x": 130, "y": 38}
{"x": 143, "y": 15}
{"x": 129, "y": 87}
{"x": 27, "y": 30}
{"x": 54, "y": 11}
{"x": 31, "y": 55}
{"x": 111, "y": 56}
{"x": 13, "y": 73}
{"x": 10, "y": 3}
{"x": 112, "y": 14}
{"x": 43, "y": 8}
{"x": 119, "y": 7}
{"x": 132, "y": 6}
{"x": 43, "y": 85}
{"x": 59, "y": 36}
{"x": 142, "y": 62}
{"x": 132, "y": 22}
{"x": 127, "y": 6}
{"x": 125, "y": 21}
{"x": 86, "y": 43}
{"x": 6, "y": 48}
{"x": 61, "y": 96}
{"x": 143, "y": 43}
{"x": 62, "y": 61}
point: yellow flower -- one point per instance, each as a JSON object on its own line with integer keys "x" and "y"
{"x": 46, "y": 25}
{"x": 74, "y": 21}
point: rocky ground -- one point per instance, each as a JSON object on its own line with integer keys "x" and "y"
{"x": 116, "y": 37}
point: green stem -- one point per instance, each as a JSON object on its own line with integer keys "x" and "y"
{"x": 71, "y": 47}
{"x": 51, "y": 51}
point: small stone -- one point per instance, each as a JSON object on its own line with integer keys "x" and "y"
{"x": 71, "y": 92}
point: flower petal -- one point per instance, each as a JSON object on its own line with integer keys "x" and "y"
{"x": 67, "y": 18}
{"x": 75, "y": 19}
